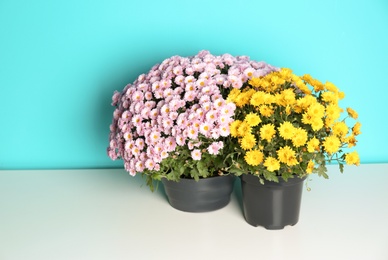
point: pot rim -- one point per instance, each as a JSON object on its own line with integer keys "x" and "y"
{"x": 253, "y": 180}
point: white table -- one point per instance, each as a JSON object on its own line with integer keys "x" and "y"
{"x": 107, "y": 214}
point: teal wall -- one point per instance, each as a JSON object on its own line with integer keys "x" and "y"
{"x": 60, "y": 62}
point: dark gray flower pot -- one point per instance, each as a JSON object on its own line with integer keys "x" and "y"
{"x": 205, "y": 195}
{"x": 272, "y": 205}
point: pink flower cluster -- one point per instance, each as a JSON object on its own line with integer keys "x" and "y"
{"x": 177, "y": 103}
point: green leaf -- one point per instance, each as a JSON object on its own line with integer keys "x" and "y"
{"x": 194, "y": 174}
{"x": 341, "y": 168}
{"x": 270, "y": 176}
{"x": 321, "y": 170}
{"x": 236, "y": 171}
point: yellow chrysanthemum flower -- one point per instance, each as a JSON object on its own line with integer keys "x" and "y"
{"x": 316, "y": 110}
{"x": 331, "y": 87}
{"x": 277, "y": 80}
{"x": 356, "y": 129}
{"x": 317, "y": 85}
{"x": 310, "y": 167}
{"x": 258, "y": 98}
{"x": 313, "y": 145}
{"x": 233, "y": 94}
{"x": 242, "y": 99}
{"x": 287, "y": 97}
{"x": 248, "y": 141}
{"x": 286, "y": 130}
{"x": 331, "y": 144}
{"x": 287, "y": 155}
{"x": 300, "y": 137}
{"x": 254, "y": 157}
{"x": 300, "y": 84}
{"x": 266, "y": 84}
{"x": 243, "y": 129}
{"x": 252, "y": 119}
{"x": 341, "y": 95}
{"x": 272, "y": 164}
{"x": 267, "y": 132}
{"x": 333, "y": 112}
{"x": 234, "y": 126}
{"x": 302, "y": 104}
{"x": 317, "y": 124}
{"x": 330, "y": 97}
{"x": 340, "y": 129}
{"x": 285, "y": 73}
{"x": 255, "y": 82}
{"x": 350, "y": 140}
{"x": 269, "y": 99}
{"x": 307, "y": 78}
{"x": 352, "y": 158}
{"x": 352, "y": 113}
{"x": 266, "y": 110}
{"x": 307, "y": 119}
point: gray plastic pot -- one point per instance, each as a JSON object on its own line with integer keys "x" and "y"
{"x": 199, "y": 196}
{"x": 271, "y": 205}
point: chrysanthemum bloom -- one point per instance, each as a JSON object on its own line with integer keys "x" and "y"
{"x": 258, "y": 99}
{"x": 286, "y": 130}
{"x": 254, "y": 157}
{"x": 310, "y": 167}
{"x": 272, "y": 164}
{"x": 243, "y": 128}
{"x": 330, "y": 97}
{"x": 266, "y": 110}
{"x": 331, "y": 144}
{"x": 340, "y": 129}
{"x": 234, "y": 128}
{"x": 356, "y": 129}
{"x": 352, "y": 158}
{"x": 352, "y": 113}
{"x": 287, "y": 155}
{"x": 300, "y": 137}
{"x": 267, "y": 132}
{"x": 350, "y": 140}
{"x": 248, "y": 141}
{"x": 215, "y": 147}
{"x": 317, "y": 124}
{"x": 316, "y": 110}
{"x": 313, "y": 145}
{"x": 196, "y": 154}
{"x": 252, "y": 119}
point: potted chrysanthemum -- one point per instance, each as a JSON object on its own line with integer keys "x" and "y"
{"x": 172, "y": 124}
{"x": 285, "y": 128}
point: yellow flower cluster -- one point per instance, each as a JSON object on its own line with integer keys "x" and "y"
{"x": 281, "y": 123}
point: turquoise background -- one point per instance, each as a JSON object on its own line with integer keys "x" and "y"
{"x": 60, "y": 62}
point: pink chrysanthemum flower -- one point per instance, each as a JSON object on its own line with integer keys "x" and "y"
{"x": 139, "y": 143}
{"x": 196, "y": 154}
{"x": 170, "y": 144}
{"x": 149, "y": 164}
{"x": 180, "y": 140}
{"x": 224, "y": 130}
{"x": 214, "y": 148}
{"x": 154, "y": 137}
{"x": 190, "y": 96}
{"x": 211, "y": 116}
{"x": 139, "y": 166}
{"x": 205, "y": 129}
{"x": 192, "y": 132}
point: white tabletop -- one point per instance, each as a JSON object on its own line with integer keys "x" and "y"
{"x": 107, "y": 214}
